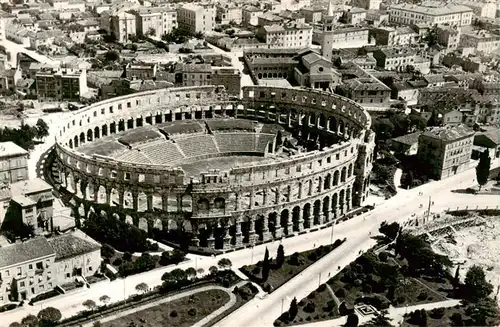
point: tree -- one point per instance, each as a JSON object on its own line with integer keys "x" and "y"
{"x": 380, "y": 320}
{"x": 224, "y": 263}
{"x": 390, "y": 231}
{"x": 191, "y": 273}
{"x": 14, "y": 293}
{"x": 200, "y": 271}
{"x": 483, "y": 168}
{"x": 213, "y": 270}
{"x": 112, "y": 55}
{"x": 107, "y": 251}
{"x": 476, "y": 287}
{"x": 49, "y": 316}
{"x": 265, "y": 266}
{"x": 105, "y": 299}
{"x": 142, "y": 288}
{"x": 151, "y": 32}
{"x": 280, "y": 256}
{"x": 89, "y": 304}
{"x": 294, "y": 309}
{"x": 177, "y": 256}
{"x": 15, "y": 323}
{"x": 481, "y": 311}
{"x": 42, "y": 128}
{"x": 14, "y": 227}
{"x": 352, "y": 320}
{"x": 30, "y": 321}
{"x": 456, "y": 279}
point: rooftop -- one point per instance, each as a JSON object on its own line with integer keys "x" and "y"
{"x": 28, "y": 187}
{"x": 449, "y": 133}
{"x": 432, "y": 11}
{"x": 73, "y": 244}
{"x": 30, "y": 250}
{"x": 10, "y": 149}
{"x": 408, "y": 139}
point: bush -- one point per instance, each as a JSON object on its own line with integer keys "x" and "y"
{"x": 340, "y": 292}
{"x": 173, "y": 314}
{"x": 310, "y": 307}
{"x": 422, "y": 296}
{"x": 383, "y": 256}
{"x": 107, "y": 251}
{"x": 456, "y": 319}
{"x": 192, "y": 312}
{"x": 127, "y": 256}
{"x": 256, "y": 270}
{"x": 117, "y": 262}
{"x": 312, "y": 256}
{"x": 322, "y": 287}
{"x": 437, "y": 313}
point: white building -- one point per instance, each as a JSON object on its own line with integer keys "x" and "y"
{"x": 482, "y": 41}
{"x": 196, "y": 19}
{"x": 155, "y": 21}
{"x": 123, "y": 26}
{"x": 408, "y": 14}
{"x": 292, "y": 35}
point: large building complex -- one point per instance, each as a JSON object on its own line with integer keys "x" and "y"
{"x": 292, "y": 35}
{"x": 13, "y": 163}
{"x": 409, "y": 14}
{"x": 60, "y": 84}
{"x": 214, "y": 168}
{"x": 155, "y": 21}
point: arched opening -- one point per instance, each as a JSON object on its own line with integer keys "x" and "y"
{"x": 112, "y": 128}
{"x": 70, "y": 143}
{"x": 142, "y": 202}
{"x": 127, "y": 200}
{"x": 343, "y": 175}
{"x": 342, "y": 201}
{"x": 129, "y": 220}
{"x": 317, "y": 211}
{"x": 284, "y": 219}
{"x": 187, "y": 203}
{"x": 326, "y": 206}
{"x": 89, "y": 135}
{"x": 349, "y": 171}
{"x": 328, "y": 181}
{"x": 96, "y": 132}
{"x": 307, "y": 215}
{"x": 76, "y": 141}
{"x": 104, "y": 129}
{"x": 272, "y": 223}
{"x": 220, "y": 204}
{"x": 296, "y": 219}
{"x": 336, "y": 178}
{"x": 82, "y": 138}
{"x": 203, "y": 206}
{"x": 143, "y": 224}
{"x": 121, "y": 125}
{"x": 322, "y": 121}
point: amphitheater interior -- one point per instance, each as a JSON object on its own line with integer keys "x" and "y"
{"x": 197, "y": 168}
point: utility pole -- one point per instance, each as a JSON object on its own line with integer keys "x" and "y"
{"x": 282, "y": 301}
{"x": 429, "y": 209}
{"x": 319, "y": 279}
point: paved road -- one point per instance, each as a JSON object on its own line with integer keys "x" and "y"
{"x": 262, "y": 312}
{"x": 12, "y": 46}
{"x": 229, "y": 304}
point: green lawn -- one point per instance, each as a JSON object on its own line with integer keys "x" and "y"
{"x": 183, "y": 312}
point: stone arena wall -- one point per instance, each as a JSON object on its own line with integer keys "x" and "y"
{"x": 221, "y": 209}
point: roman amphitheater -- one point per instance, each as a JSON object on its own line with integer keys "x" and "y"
{"x": 216, "y": 170}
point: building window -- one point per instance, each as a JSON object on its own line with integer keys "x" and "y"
{"x": 22, "y": 284}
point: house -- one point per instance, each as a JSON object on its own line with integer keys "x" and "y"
{"x": 395, "y": 58}
{"x": 406, "y": 144}
{"x": 434, "y": 80}
{"x": 489, "y": 140}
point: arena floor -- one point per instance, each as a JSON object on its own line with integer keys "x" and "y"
{"x": 222, "y": 163}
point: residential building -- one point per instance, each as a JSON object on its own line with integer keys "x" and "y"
{"x": 63, "y": 84}
{"x": 406, "y": 91}
{"x": 9, "y": 79}
{"x": 489, "y": 140}
{"x": 355, "y": 16}
{"x": 226, "y": 14}
{"x": 5, "y": 197}
{"x": 32, "y": 200}
{"x": 312, "y": 15}
{"x": 406, "y": 144}
{"x": 27, "y": 266}
{"x": 448, "y": 36}
{"x": 38, "y": 265}
{"x": 481, "y": 41}
{"x": 376, "y": 17}
{"x": 295, "y": 5}
{"x": 454, "y": 117}
{"x": 445, "y": 151}
{"x": 250, "y": 15}
{"x": 196, "y": 19}
{"x": 123, "y": 26}
{"x": 155, "y": 21}
{"x": 269, "y": 19}
{"x": 480, "y": 8}
{"x": 367, "y": 91}
{"x": 409, "y": 14}
{"x": 395, "y": 58}
{"x": 141, "y": 70}
{"x": 367, "y": 4}
{"x": 13, "y": 163}
{"x": 434, "y": 80}
{"x": 76, "y": 255}
{"x": 204, "y": 74}
{"x": 291, "y": 35}
{"x": 394, "y": 37}
{"x": 271, "y": 63}
{"x": 5, "y": 19}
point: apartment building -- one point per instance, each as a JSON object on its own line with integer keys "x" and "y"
{"x": 13, "y": 163}
{"x": 291, "y": 35}
{"x": 204, "y": 74}
{"x": 480, "y": 8}
{"x": 155, "y": 21}
{"x": 448, "y": 36}
{"x": 196, "y": 19}
{"x": 32, "y": 200}
{"x": 226, "y": 14}
{"x": 395, "y": 58}
{"x": 251, "y": 15}
{"x": 312, "y": 14}
{"x": 38, "y": 265}
{"x": 123, "y": 26}
{"x": 394, "y": 37}
{"x": 141, "y": 70}
{"x": 409, "y": 14}
{"x": 446, "y": 151}
{"x": 367, "y": 91}
{"x": 61, "y": 84}
{"x": 337, "y": 38}
{"x": 355, "y": 16}
{"x": 481, "y": 41}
